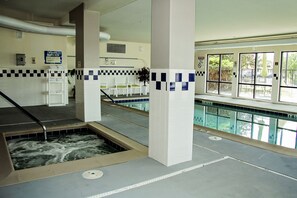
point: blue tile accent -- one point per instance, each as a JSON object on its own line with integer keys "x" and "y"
{"x": 95, "y": 77}
{"x": 185, "y": 86}
{"x": 163, "y": 77}
{"x": 172, "y": 86}
{"x": 158, "y": 85}
{"x": 86, "y": 77}
{"x": 91, "y": 72}
{"x": 178, "y": 77}
{"x": 154, "y": 76}
{"x": 191, "y": 77}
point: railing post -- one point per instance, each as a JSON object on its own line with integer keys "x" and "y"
{"x": 26, "y": 113}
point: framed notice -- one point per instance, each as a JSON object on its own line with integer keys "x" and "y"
{"x": 53, "y": 57}
{"x": 200, "y": 61}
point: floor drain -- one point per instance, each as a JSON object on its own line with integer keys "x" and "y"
{"x": 215, "y": 138}
{"x": 92, "y": 174}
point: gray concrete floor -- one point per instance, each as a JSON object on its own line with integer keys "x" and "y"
{"x": 218, "y": 169}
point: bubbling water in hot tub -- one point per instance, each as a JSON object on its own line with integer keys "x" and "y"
{"x": 31, "y": 152}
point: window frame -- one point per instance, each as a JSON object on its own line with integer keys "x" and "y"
{"x": 254, "y": 84}
{"x": 219, "y": 81}
{"x": 281, "y": 78}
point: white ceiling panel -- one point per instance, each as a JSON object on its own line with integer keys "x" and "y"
{"x": 130, "y": 20}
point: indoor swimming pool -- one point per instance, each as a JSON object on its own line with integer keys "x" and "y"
{"x": 270, "y": 127}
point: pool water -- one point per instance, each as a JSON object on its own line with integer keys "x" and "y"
{"x": 262, "y": 126}
{"x": 34, "y": 152}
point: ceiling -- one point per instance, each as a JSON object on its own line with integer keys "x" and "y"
{"x": 130, "y": 20}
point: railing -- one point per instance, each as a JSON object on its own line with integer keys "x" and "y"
{"x": 107, "y": 95}
{"x": 26, "y": 113}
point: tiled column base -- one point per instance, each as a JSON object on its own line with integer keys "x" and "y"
{"x": 87, "y": 88}
{"x": 171, "y": 115}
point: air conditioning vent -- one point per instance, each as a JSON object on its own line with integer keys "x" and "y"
{"x": 116, "y": 48}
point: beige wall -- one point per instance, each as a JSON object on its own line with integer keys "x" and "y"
{"x": 27, "y": 84}
{"x": 141, "y": 51}
{"x": 33, "y": 90}
{"x": 32, "y": 45}
{"x": 30, "y": 91}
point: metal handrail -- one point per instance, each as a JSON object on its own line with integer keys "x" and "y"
{"x": 26, "y": 113}
{"x": 108, "y": 96}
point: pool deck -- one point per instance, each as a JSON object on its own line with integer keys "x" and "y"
{"x": 265, "y": 106}
{"x": 218, "y": 169}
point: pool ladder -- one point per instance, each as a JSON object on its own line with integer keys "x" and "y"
{"x": 26, "y": 113}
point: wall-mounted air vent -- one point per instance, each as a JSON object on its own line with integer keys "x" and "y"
{"x": 116, "y": 48}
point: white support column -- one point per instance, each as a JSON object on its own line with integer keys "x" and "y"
{"x": 201, "y": 74}
{"x": 87, "y": 84}
{"x": 235, "y": 76}
{"x": 172, "y": 84}
{"x": 276, "y": 77}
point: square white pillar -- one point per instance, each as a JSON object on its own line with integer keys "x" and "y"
{"x": 171, "y": 115}
{"x": 172, "y": 84}
{"x": 87, "y": 88}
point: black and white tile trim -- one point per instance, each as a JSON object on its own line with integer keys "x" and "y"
{"x": 87, "y": 74}
{"x": 118, "y": 72}
{"x": 8, "y": 73}
{"x": 180, "y": 78}
{"x": 55, "y": 73}
{"x": 93, "y": 74}
{"x": 200, "y": 73}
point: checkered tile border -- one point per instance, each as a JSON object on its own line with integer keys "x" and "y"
{"x": 9, "y": 73}
{"x": 55, "y": 73}
{"x": 87, "y": 74}
{"x": 118, "y": 72}
{"x": 93, "y": 74}
{"x": 200, "y": 73}
{"x": 180, "y": 78}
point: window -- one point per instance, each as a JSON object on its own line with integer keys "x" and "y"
{"x": 288, "y": 85}
{"x": 255, "y": 75}
{"x": 219, "y": 75}
{"x": 286, "y": 133}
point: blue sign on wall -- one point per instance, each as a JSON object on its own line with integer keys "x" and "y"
{"x": 53, "y": 57}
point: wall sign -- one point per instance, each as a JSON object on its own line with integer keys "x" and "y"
{"x": 53, "y": 57}
{"x": 200, "y": 61}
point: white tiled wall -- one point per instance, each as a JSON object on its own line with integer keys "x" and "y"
{"x": 26, "y": 86}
